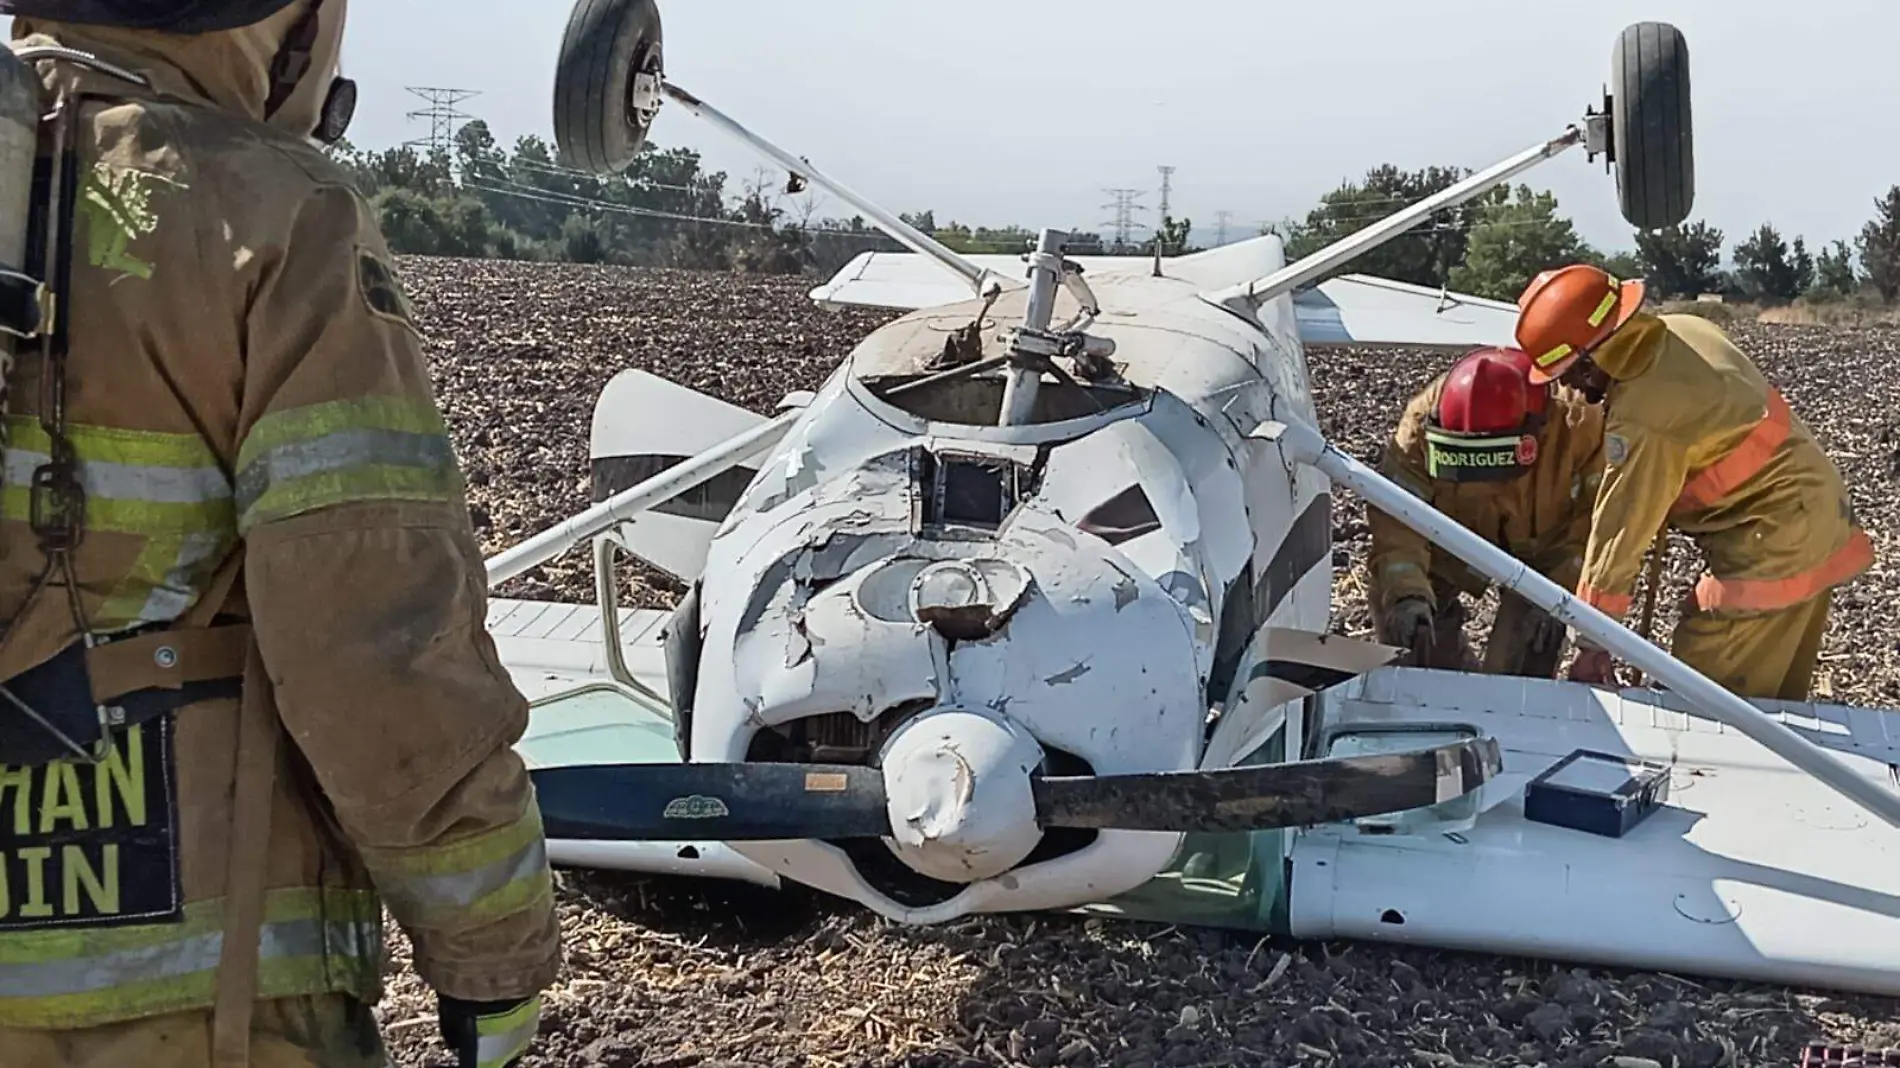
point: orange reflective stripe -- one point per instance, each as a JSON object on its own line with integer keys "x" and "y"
{"x": 1724, "y": 476}
{"x": 1614, "y": 605}
{"x": 1760, "y": 595}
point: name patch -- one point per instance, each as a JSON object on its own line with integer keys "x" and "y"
{"x": 93, "y": 845}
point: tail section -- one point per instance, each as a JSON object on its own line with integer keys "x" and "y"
{"x": 643, "y": 425}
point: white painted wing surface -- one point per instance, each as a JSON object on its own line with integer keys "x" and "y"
{"x": 1751, "y": 871}
{"x": 1359, "y": 309}
{"x": 578, "y": 715}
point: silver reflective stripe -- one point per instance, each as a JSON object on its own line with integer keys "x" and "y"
{"x": 177, "y": 960}
{"x": 340, "y": 451}
{"x": 179, "y": 590}
{"x": 465, "y": 888}
{"x": 128, "y": 482}
{"x": 496, "y": 1050}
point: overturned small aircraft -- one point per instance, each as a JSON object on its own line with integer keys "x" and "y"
{"x": 1025, "y": 608}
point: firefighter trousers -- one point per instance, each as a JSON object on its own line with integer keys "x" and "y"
{"x": 329, "y": 1031}
{"x": 1767, "y": 655}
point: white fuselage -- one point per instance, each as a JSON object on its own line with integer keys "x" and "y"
{"x": 1131, "y": 541}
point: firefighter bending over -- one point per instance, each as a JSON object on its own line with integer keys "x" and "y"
{"x": 1697, "y": 439}
{"x": 291, "y": 715}
{"x": 1513, "y": 462}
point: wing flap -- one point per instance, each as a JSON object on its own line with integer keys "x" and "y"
{"x": 1359, "y": 309}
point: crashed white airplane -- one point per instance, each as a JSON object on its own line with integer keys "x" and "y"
{"x": 1025, "y": 609}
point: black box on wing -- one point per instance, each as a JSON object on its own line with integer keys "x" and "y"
{"x": 1600, "y": 793}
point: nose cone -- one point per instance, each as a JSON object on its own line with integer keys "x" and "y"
{"x": 957, "y": 783}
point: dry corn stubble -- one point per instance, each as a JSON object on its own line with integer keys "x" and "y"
{"x": 665, "y": 973}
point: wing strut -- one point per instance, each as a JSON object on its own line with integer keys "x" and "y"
{"x": 902, "y": 232}
{"x": 1361, "y": 241}
{"x": 640, "y": 497}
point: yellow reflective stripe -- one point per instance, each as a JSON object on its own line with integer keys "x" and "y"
{"x": 466, "y": 883}
{"x": 503, "y": 1037}
{"x": 313, "y": 941}
{"x": 1604, "y": 306}
{"x": 1553, "y": 355}
{"x": 166, "y": 488}
{"x": 339, "y": 452}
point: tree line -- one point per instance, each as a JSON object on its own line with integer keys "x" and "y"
{"x": 480, "y": 200}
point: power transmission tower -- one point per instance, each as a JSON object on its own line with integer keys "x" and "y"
{"x": 1220, "y": 226}
{"x": 441, "y": 114}
{"x": 1167, "y": 186}
{"x": 1124, "y": 207}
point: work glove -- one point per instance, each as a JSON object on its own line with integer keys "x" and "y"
{"x": 488, "y": 1034}
{"x": 1593, "y": 665}
{"x": 1546, "y": 634}
{"x": 1409, "y": 621}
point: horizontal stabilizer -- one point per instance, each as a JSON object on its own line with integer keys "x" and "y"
{"x": 1358, "y": 309}
{"x": 905, "y": 281}
{"x": 643, "y": 425}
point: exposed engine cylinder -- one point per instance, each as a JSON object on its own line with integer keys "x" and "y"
{"x": 957, "y": 782}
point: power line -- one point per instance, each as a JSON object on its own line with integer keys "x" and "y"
{"x": 1220, "y": 226}
{"x": 1167, "y": 175}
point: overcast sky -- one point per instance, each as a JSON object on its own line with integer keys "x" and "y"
{"x": 1025, "y": 111}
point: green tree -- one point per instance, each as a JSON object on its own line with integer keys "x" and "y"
{"x": 1622, "y": 264}
{"x": 1834, "y": 273}
{"x": 1173, "y": 235}
{"x": 1513, "y": 241}
{"x": 1769, "y": 270}
{"x": 1880, "y": 245}
{"x": 1681, "y": 261}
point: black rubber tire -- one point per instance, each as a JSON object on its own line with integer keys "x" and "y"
{"x": 1652, "y": 136}
{"x": 607, "y": 42}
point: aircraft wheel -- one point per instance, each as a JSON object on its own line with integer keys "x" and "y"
{"x": 607, "y": 83}
{"x": 1651, "y": 134}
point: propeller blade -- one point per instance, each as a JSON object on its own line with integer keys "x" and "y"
{"x": 711, "y": 802}
{"x": 777, "y": 802}
{"x": 1269, "y": 796}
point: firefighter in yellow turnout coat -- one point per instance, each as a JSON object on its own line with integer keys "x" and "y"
{"x": 1516, "y": 464}
{"x": 1696, "y": 438}
{"x": 305, "y": 719}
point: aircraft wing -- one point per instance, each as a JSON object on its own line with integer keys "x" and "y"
{"x": 1359, "y": 309}
{"x": 1749, "y": 870}
{"x": 578, "y": 714}
{"x": 905, "y": 281}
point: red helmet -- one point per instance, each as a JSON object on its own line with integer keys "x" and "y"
{"x": 1485, "y": 424}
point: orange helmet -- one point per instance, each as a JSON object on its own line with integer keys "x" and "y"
{"x": 1565, "y": 313}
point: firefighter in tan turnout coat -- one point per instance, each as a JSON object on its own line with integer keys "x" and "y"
{"x": 1696, "y": 438}
{"x": 304, "y": 719}
{"x": 1516, "y": 464}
